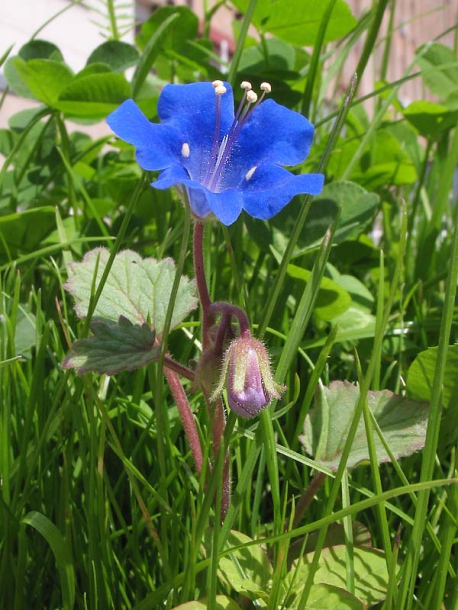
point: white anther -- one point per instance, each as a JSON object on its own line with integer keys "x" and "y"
{"x": 251, "y": 97}
{"x": 250, "y": 172}
{"x": 217, "y": 83}
{"x": 266, "y": 87}
{"x": 185, "y": 150}
{"x": 220, "y": 90}
{"x": 245, "y": 85}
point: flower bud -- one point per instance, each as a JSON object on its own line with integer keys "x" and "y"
{"x": 248, "y": 378}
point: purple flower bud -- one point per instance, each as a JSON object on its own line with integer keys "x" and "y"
{"x": 247, "y": 377}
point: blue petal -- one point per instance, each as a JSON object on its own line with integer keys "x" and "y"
{"x": 226, "y": 206}
{"x": 271, "y": 187}
{"x": 191, "y": 109}
{"x": 275, "y": 134}
{"x": 177, "y": 175}
{"x": 157, "y": 146}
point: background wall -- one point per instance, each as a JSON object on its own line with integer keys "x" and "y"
{"x": 76, "y": 31}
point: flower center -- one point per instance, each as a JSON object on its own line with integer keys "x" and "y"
{"x": 222, "y": 147}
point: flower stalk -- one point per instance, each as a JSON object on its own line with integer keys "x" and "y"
{"x": 186, "y": 416}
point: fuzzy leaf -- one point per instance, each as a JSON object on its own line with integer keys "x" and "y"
{"x": 113, "y": 348}
{"x": 137, "y": 289}
{"x": 401, "y": 420}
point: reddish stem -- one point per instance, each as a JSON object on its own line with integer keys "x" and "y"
{"x": 199, "y": 269}
{"x": 179, "y": 368}
{"x": 228, "y": 311}
{"x": 208, "y": 319}
{"x": 218, "y": 426}
{"x": 186, "y": 416}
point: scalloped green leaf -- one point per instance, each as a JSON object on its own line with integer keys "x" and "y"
{"x": 113, "y": 348}
{"x": 137, "y": 289}
{"x": 402, "y": 421}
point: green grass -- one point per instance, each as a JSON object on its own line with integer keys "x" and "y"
{"x": 100, "y": 504}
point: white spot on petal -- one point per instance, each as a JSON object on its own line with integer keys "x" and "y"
{"x": 185, "y": 150}
{"x": 250, "y": 172}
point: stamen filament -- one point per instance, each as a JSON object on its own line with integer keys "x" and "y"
{"x": 220, "y": 90}
{"x": 235, "y": 129}
{"x": 220, "y": 153}
{"x": 247, "y": 87}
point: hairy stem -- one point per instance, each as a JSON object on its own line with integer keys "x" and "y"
{"x": 209, "y": 312}
{"x": 179, "y": 368}
{"x": 186, "y": 416}
{"x": 199, "y": 270}
{"x": 225, "y": 332}
{"x": 218, "y": 427}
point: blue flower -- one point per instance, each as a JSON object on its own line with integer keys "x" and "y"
{"x": 226, "y": 161}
